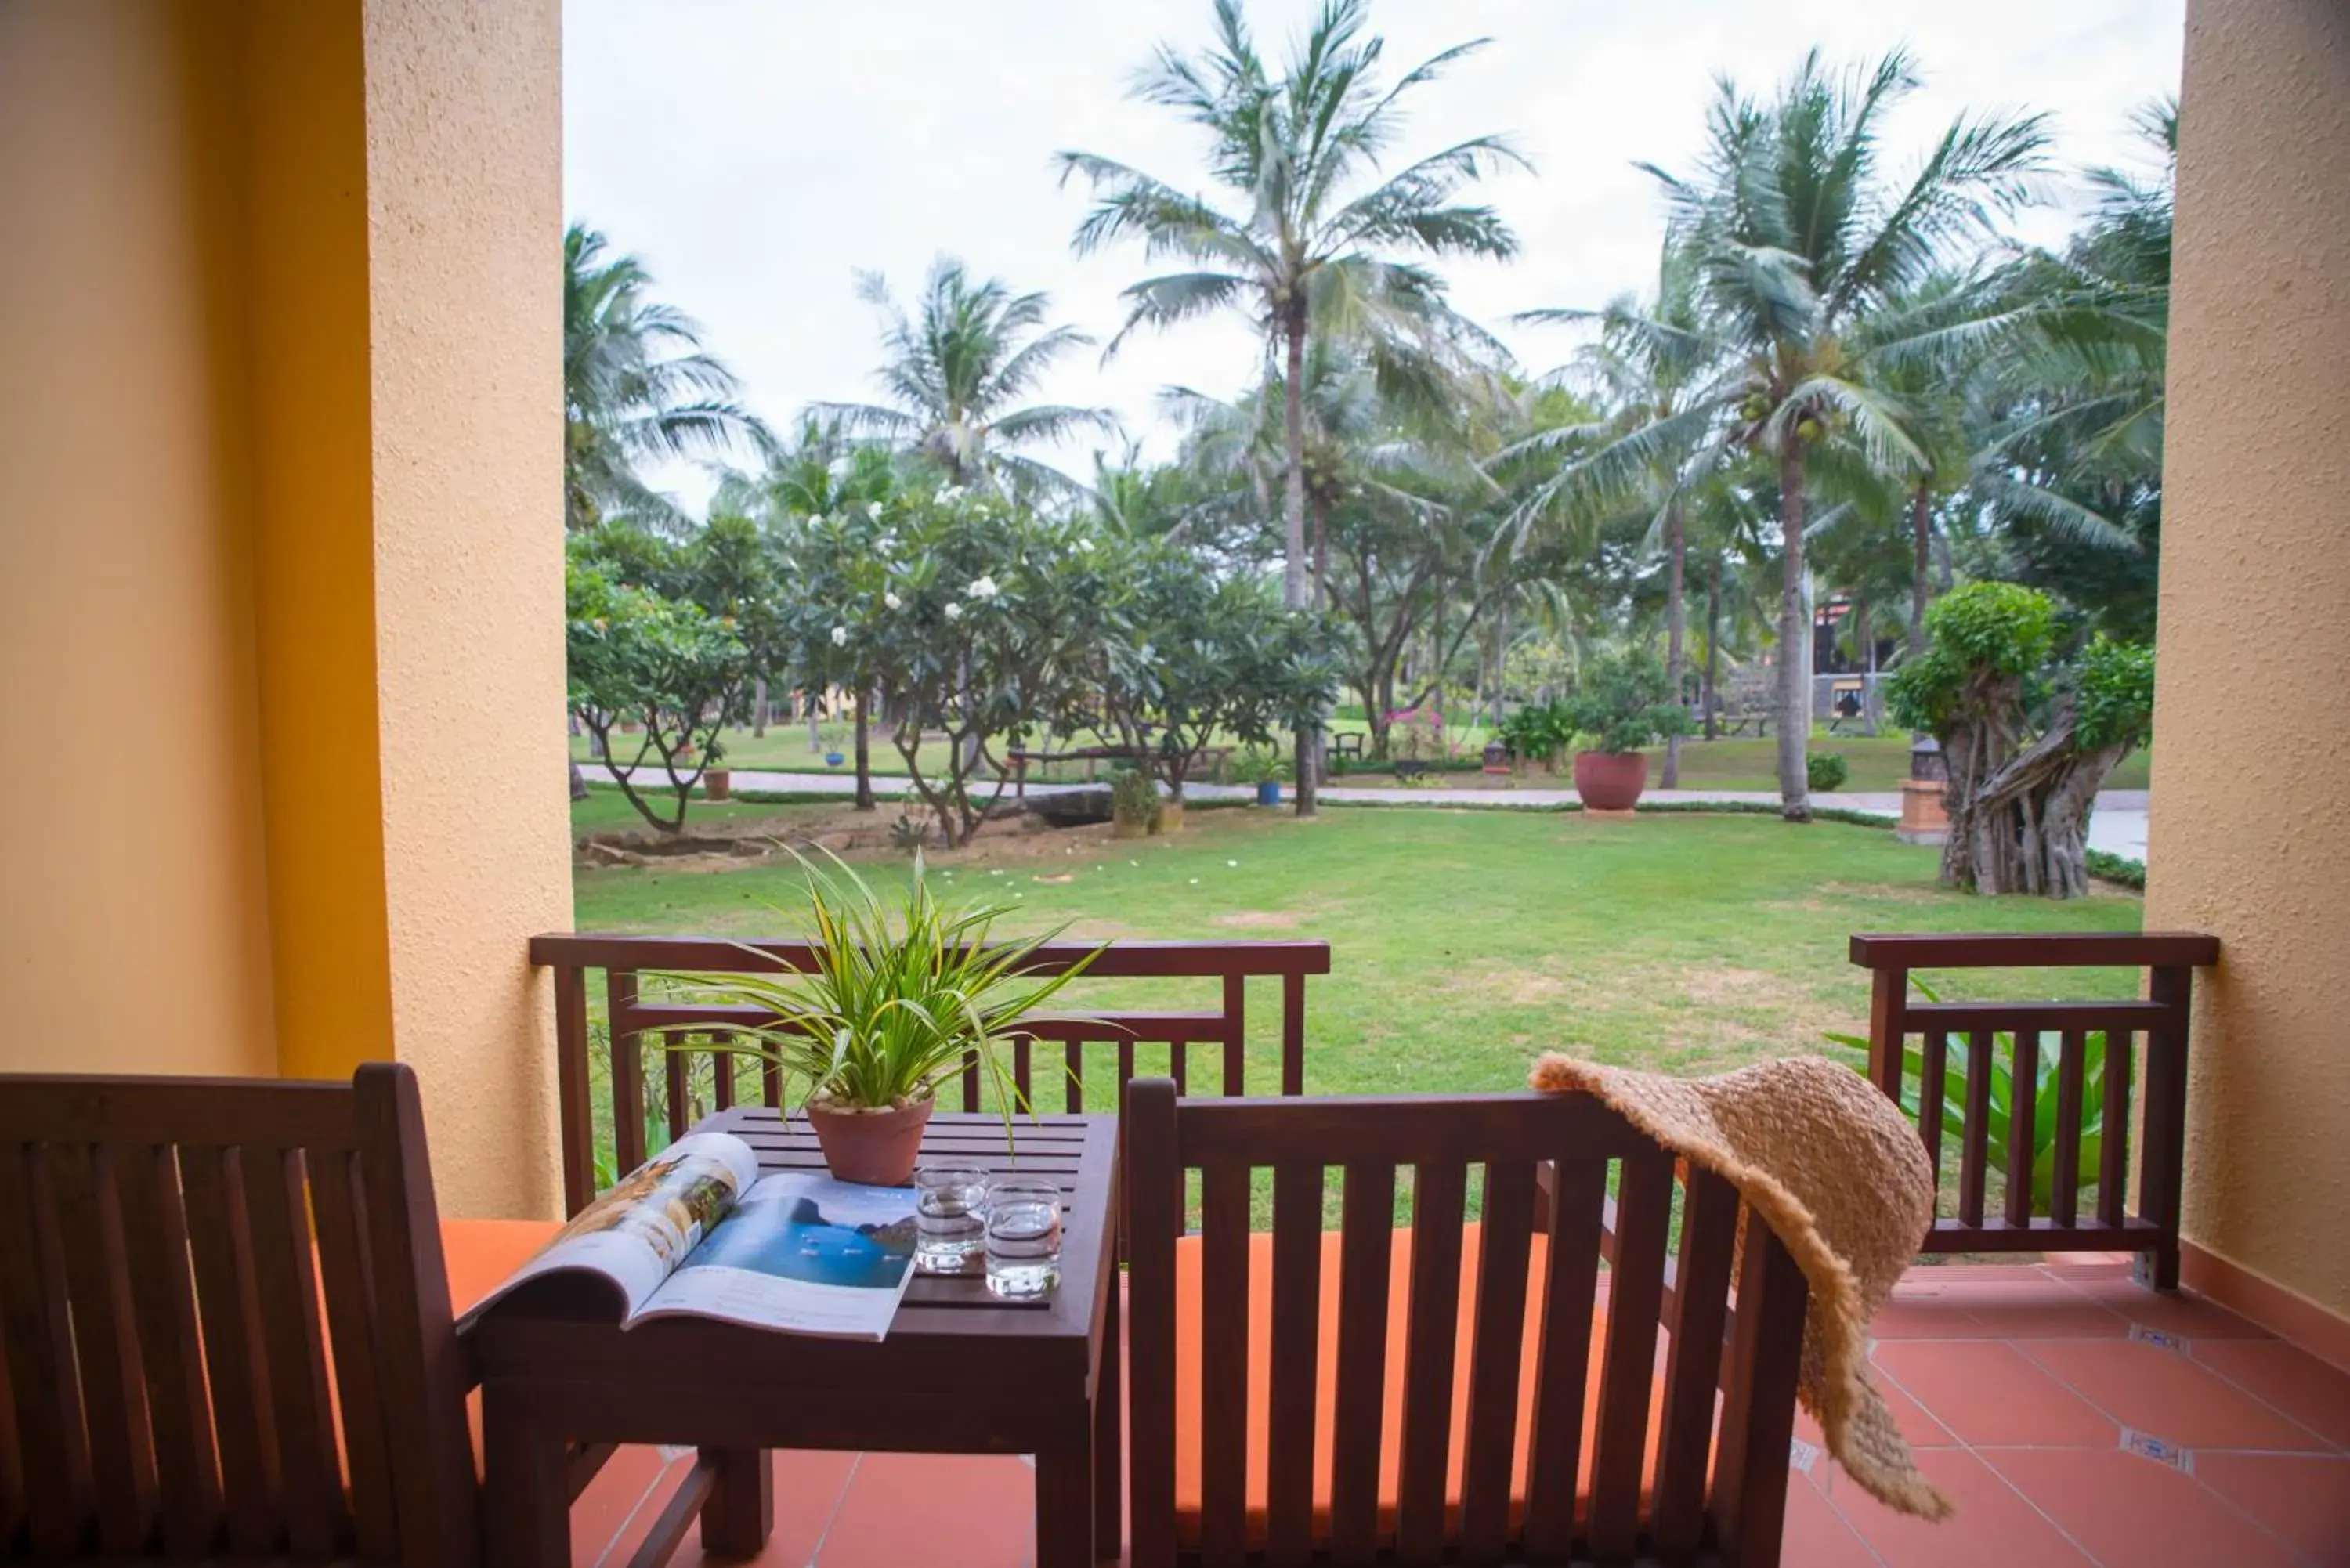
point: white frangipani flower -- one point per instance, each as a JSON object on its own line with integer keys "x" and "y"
{"x": 1085, "y": 546}
{"x": 954, "y": 611}
{"x": 873, "y": 510}
{"x": 890, "y": 599}
{"x": 837, "y": 468}
{"x": 840, "y": 637}
{"x": 984, "y": 588}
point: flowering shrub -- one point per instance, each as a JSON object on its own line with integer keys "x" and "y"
{"x": 1420, "y": 732}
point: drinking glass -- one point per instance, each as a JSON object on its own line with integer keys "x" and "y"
{"x": 950, "y": 1218}
{"x": 1023, "y": 1236}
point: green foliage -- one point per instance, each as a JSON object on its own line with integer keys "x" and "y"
{"x": 1260, "y": 764}
{"x": 2118, "y": 868}
{"x": 2000, "y": 1121}
{"x": 1624, "y": 703}
{"x": 2114, "y": 694}
{"x": 632, "y": 654}
{"x": 1980, "y": 632}
{"x": 1133, "y": 798}
{"x": 1537, "y": 730}
{"x": 903, "y": 991}
{"x": 1826, "y": 771}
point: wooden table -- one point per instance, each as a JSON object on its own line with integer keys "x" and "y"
{"x": 961, "y": 1372}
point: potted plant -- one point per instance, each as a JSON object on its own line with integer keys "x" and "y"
{"x": 833, "y": 759}
{"x": 717, "y": 783}
{"x": 1620, "y": 706}
{"x": 902, "y": 992}
{"x": 1133, "y": 802}
{"x": 1264, "y": 768}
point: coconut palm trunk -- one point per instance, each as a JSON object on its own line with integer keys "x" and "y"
{"x": 1921, "y": 540}
{"x": 1676, "y": 655}
{"x": 1296, "y": 589}
{"x": 1794, "y": 643}
{"x": 864, "y": 754}
{"x": 1711, "y": 696}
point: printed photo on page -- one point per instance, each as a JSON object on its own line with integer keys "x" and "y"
{"x": 803, "y": 1253}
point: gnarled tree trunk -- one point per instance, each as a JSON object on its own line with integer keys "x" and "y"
{"x": 2020, "y": 818}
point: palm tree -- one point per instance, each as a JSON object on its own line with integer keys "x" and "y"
{"x": 955, "y": 375}
{"x": 1800, "y": 242}
{"x": 1303, "y": 248}
{"x": 637, "y": 387}
{"x": 1652, "y": 360}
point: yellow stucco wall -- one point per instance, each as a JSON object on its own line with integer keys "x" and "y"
{"x": 280, "y": 550}
{"x": 302, "y": 138}
{"x": 133, "y": 929}
{"x": 465, "y": 227}
{"x": 2248, "y": 837}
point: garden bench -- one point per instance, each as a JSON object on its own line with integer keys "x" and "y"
{"x": 1018, "y": 758}
{"x": 1409, "y": 767}
{"x": 1347, "y": 745}
{"x": 1309, "y": 1413}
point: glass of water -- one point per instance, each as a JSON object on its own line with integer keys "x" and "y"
{"x": 950, "y": 1218}
{"x": 1023, "y": 1236}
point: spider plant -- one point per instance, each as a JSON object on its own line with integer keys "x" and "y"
{"x": 2001, "y": 1118}
{"x": 902, "y": 991}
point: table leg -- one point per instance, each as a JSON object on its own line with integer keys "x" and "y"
{"x": 1108, "y": 1439}
{"x": 1064, "y": 1505}
{"x": 740, "y": 1512}
{"x": 526, "y": 1495}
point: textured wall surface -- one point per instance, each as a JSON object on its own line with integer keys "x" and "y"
{"x": 466, "y": 223}
{"x": 2250, "y": 836}
{"x": 302, "y": 95}
{"x": 133, "y": 934}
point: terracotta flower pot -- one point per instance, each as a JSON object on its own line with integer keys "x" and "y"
{"x": 876, "y": 1148}
{"x": 717, "y": 783}
{"x": 1610, "y": 780}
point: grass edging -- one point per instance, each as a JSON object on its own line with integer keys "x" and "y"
{"x": 1659, "y": 808}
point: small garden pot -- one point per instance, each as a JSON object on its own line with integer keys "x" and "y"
{"x": 1170, "y": 816}
{"x": 1610, "y": 780}
{"x": 833, "y": 759}
{"x": 1127, "y": 828}
{"x": 1268, "y": 792}
{"x": 876, "y": 1148}
{"x": 717, "y": 785}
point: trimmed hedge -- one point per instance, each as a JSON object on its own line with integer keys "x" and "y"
{"x": 2118, "y": 868}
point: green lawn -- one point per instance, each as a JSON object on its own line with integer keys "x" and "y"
{"x": 1463, "y": 942}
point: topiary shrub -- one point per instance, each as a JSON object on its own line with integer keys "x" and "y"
{"x": 1826, "y": 771}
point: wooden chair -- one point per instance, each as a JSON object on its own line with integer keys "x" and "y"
{"x": 1295, "y": 1393}
{"x": 224, "y": 1326}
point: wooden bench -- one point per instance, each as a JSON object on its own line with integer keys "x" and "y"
{"x": 1223, "y": 1465}
{"x": 1018, "y": 758}
{"x": 1347, "y": 744}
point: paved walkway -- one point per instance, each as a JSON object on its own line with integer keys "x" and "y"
{"x": 2119, "y": 826}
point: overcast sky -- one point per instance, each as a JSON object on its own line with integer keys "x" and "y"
{"x": 757, "y": 153}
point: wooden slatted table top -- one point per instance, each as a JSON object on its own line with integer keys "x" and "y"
{"x": 1079, "y": 1152}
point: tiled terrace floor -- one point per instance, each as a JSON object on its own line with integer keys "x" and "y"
{"x": 2077, "y": 1419}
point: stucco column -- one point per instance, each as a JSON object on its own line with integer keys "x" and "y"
{"x": 465, "y": 330}
{"x": 2250, "y": 836}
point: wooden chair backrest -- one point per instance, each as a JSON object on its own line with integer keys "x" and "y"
{"x": 1719, "y": 1486}
{"x": 224, "y": 1325}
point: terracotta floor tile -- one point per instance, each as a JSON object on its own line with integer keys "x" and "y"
{"x": 1905, "y": 1317}
{"x": 1986, "y": 1391}
{"x": 2289, "y": 1378}
{"x": 2162, "y": 1392}
{"x": 2304, "y": 1499}
{"x": 808, "y": 1486}
{"x": 1993, "y": 1524}
{"x": 2177, "y": 1313}
{"x": 1916, "y": 1425}
{"x": 975, "y": 1510}
{"x": 1816, "y": 1535}
{"x": 2126, "y": 1510}
{"x": 623, "y": 1489}
{"x": 2053, "y": 1320}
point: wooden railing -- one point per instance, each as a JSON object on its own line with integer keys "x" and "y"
{"x": 674, "y": 1028}
{"x": 2015, "y": 1035}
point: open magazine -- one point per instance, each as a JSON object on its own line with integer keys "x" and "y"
{"x": 697, "y": 1233}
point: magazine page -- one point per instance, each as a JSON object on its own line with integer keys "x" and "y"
{"x": 803, "y": 1253}
{"x": 638, "y": 1231}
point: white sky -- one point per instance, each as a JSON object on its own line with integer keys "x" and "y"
{"x": 755, "y": 153}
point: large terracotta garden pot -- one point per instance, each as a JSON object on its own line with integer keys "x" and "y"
{"x": 1610, "y": 780}
{"x": 876, "y": 1147}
